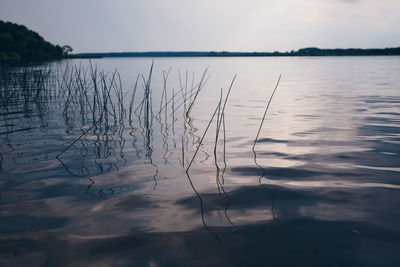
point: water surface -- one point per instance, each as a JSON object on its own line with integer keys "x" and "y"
{"x": 322, "y": 190}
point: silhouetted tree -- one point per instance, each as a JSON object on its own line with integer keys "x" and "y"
{"x": 66, "y": 50}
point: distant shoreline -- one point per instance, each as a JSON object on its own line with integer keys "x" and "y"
{"x": 312, "y": 51}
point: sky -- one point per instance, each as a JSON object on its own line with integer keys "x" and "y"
{"x": 209, "y": 25}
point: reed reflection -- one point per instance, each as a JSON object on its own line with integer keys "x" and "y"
{"x": 100, "y": 117}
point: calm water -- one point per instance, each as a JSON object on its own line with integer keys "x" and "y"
{"x": 322, "y": 190}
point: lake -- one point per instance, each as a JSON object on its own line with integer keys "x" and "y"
{"x": 116, "y": 161}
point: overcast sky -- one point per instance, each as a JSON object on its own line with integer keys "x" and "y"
{"x": 204, "y": 25}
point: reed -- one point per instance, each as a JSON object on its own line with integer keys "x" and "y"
{"x": 93, "y": 107}
{"x": 202, "y": 138}
{"x": 164, "y": 97}
{"x": 217, "y": 180}
{"x": 26, "y": 89}
{"x": 265, "y": 113}
{"x": 255, "y": 154}
{"x": 203, "y": 79}
{"x": 133, "y": 98}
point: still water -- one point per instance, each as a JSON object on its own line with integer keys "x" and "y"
{"x": 102, "y": 179}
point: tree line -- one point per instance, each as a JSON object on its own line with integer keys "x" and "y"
{"x": 311, "y": 51}
{"x": 18, "y": 43}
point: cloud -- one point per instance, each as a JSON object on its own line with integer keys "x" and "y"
{"x": 349, "y": 1}
{"x": 257, "y": 25}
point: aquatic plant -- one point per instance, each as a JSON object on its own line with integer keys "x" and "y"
{"x": 255, "y": 155}
{"x": 97, "y": 111}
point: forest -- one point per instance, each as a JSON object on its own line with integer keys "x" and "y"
{"x": 18, "y": 43}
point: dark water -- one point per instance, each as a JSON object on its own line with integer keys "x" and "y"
{"x": 84, "y": 181}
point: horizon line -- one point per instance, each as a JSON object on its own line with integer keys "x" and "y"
{"x": 308, "y": 51}
{"x": 228, "y": 51}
